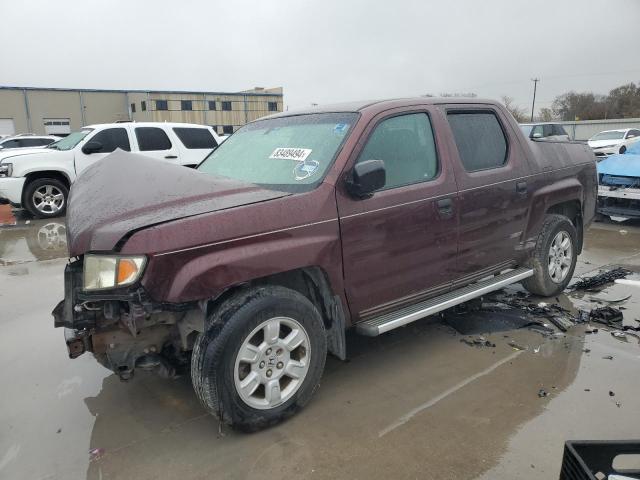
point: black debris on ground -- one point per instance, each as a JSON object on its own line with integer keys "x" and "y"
{"x": 478, "y": 342}
{"x": 609, "y": 316}
{"x": 542, "y": 393}
{"x": 607, "y": 357}
{"x": 611, "y": 394}
{"x": 595, "y": 281}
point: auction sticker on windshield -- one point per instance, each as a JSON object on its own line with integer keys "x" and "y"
{"x": 299, "y": 154}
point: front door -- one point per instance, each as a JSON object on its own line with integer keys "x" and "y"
{"x": 491, "y": 172}
{"x": 399, "y": 246}
{"x": 109, "y": 138}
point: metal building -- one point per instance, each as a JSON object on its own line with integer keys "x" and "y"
{"x": 59, "y": 111}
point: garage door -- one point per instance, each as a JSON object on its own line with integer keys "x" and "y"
{"x": 7, "y": 127}
{"x": 57, "y": 126}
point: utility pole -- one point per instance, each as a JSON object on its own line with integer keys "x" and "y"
{"x": 533, "y": 104}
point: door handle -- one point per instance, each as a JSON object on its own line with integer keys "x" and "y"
{"x": 172, "y": 157}
{"x": 445, "y": 207}
{"x": 521, "y": 188}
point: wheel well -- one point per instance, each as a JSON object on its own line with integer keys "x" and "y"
{"x": 573, "y": 211}
{"x": 311, "y": 282}
{"x": 48, "y": 174}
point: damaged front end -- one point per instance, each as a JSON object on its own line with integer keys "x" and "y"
{"x": 124, "y": 328}
{"x": 619, "y": 185}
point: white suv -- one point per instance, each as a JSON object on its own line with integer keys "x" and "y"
{"x": 27, "y": 140}
{"x": 39, "y": 179}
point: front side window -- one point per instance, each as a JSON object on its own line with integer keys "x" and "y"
{"x": 480, "y": 140}
{"x": 537, "y": 132}
{"x": 71, "y": 140}
{"x": 547, "y": 130}
{"x": 291, "y": 154}
{"x": 161, "y": 105}
{"x": 407, "y": 147}
{"x": 559, "y": 130}
{"x": 112, "y": 138}
{"x": 609, "y": 135}
{"x": 186, "y": 105}
{"x": 194, "y": 138}
{"x": 152, "y": 138}
{"x": 633, "y": 133}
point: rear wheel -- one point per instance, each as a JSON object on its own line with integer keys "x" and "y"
{"x": 261, "y": 358}
{"x": 554, "y": 258}
{"x": 46, "y": 197}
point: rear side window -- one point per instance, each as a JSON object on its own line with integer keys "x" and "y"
{"x": 406, "y": 146}
{"x": 31, "y": 142}
{"x": 196, "y": 137}
{"x": 633, "y": 134}
{"x": 480, "y": 140}
{"x": 112, "y": 138}
{"x": 152, "y": 138}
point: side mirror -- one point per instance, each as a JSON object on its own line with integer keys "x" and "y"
{"x": 366, "y": 178}
{"x": 536, "y": 135}
{"x": 92, "y": 147}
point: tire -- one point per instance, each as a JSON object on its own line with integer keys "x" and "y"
{"x": 547, "y": 279}
{"x": 217, "y": 368}
{"x": 54, "y": 196}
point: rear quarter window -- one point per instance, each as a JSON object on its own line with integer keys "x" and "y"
{"x": 196, "y": 138}
{"x": 480, "y": 139}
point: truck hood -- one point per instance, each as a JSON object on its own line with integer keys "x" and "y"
{"x": 126, "y": 192}
{"x": 21, "y": 152}
{"x": 626, "y": 165}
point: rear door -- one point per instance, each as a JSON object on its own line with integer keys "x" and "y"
{"x": 399, "y": 246}
{"x": 491, "y": 172}
{"x": 196, "y": 144}
{"x": 154, "y": 142}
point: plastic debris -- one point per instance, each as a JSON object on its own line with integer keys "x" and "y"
{"x": 587, "y": 389}
{"x": 583, "y": 316}
{"x": 600, "y": 279}
{"x": 96, "y": 453}
{"x": 516, "y": 346}
{"x": 536, "y": 350}
{"x": 607, "y": 357}
{"x": 611, "y": 394}
{"x": 478, "y": 342}
{"x": 618, "y": 404}
{"x": 591, "y": 330}
{"x": 587, "y": 350}
{"x": 610, "y": 300}
{"x": 542, "y": 393}
{"x": 617, "y": 334}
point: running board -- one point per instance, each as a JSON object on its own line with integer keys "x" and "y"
{"x": 398, "y": 318}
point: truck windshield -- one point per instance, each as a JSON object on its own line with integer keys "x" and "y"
{"x": 609, "y": 135}
{"x": 290, "y": 154}
{"x": 70, "y": 141}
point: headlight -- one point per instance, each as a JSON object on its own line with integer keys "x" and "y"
{"x": 6, "y": 169}
{"x": 106, "y": 271}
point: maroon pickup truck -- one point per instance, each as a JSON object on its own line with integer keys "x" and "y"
{"x": 370, "y": 215}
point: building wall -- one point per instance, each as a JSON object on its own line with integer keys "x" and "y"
{"x": 84, "y": 107}
{"x": 12, "y": 107}
{"x": 104, "y": 107}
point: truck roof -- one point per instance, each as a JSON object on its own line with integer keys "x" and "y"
{"x": 380, "y": 105}
{"x": 146, "y": 124}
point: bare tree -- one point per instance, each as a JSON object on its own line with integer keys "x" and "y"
{"x": 518, "y": 112}
{"x": 546, "y": 115}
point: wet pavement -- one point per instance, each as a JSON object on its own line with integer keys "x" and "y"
{"x": 414, "y": 403}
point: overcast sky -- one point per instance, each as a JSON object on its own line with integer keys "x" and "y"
{"x": 327, "y": 50}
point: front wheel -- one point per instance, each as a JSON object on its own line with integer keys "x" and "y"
{"x": 261, "y": 358}
{"x": 554, "y": 258}
{"x": 46, "y": 197}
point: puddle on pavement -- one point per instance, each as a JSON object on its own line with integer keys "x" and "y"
{"x": 27, "y": 240}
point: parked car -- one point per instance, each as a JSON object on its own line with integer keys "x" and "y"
{"x": 27, "y": 140}
{"x": 304, "y": 224}
{"x": 619, "y": 185}
{"x": 611, "y": 142}
{"x": 548, "y": 131}
{"x": 39, "y": 179}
